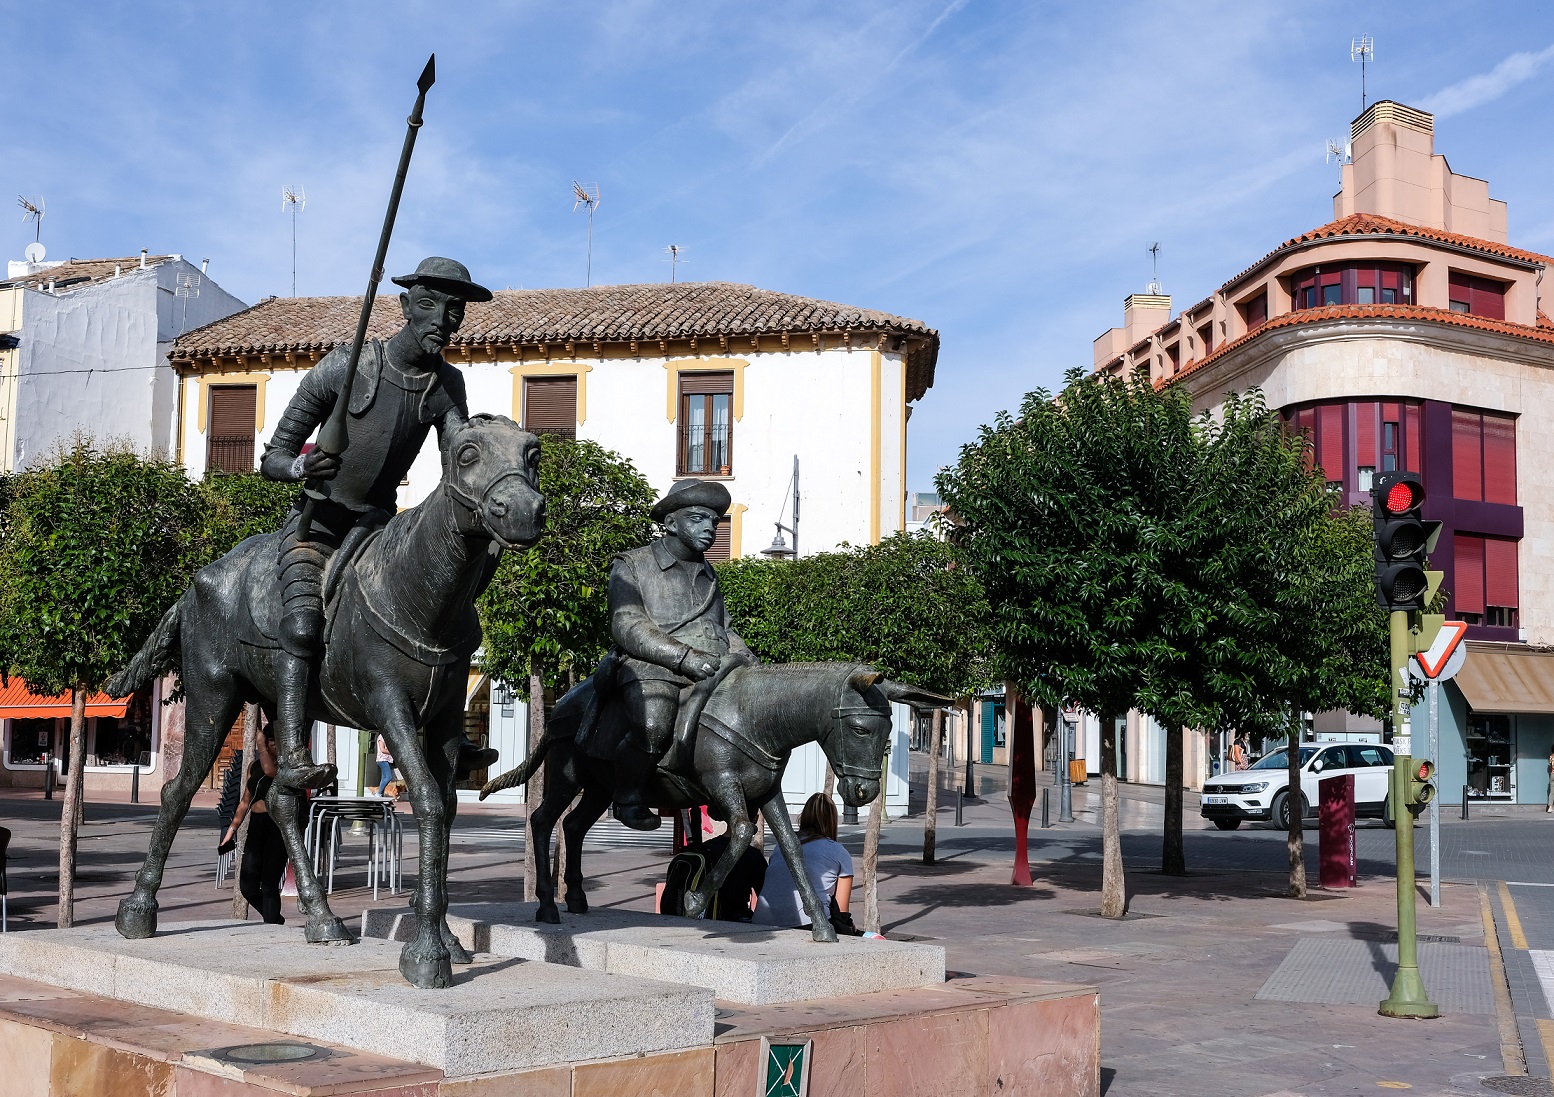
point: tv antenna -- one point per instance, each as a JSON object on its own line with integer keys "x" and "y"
{"x": 187, "y": 286}
{"x": 1362, "y": 49}
{"x": 1338, "y": 153}
{"x": 590, "y": 198}
{"x": 32, "y": 211}
{"x": 675, "y": 259}
{"x": 295, "y": 200}
{"x": 1154, "y": 263}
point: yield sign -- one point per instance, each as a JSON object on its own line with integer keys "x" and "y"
{"x": 1447, "y": 642}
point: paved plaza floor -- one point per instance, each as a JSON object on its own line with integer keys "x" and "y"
{"x": 1213, "y": 985}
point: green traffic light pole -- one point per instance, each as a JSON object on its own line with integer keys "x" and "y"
{"x": 1408, "y": 997}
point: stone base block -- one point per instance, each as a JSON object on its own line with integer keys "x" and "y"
{"x": 502, "y": 1014}
{"x": 746, "y": 964}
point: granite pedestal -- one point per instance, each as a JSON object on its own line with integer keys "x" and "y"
{"x": 741, "y": 963}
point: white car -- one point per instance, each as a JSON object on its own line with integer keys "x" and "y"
{"x": 1261, "y": 792}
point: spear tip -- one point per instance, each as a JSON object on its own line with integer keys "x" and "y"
{"x": 428, "y": 75}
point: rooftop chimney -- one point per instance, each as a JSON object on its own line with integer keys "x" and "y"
{"x": 1142, "y": 313}
{"x": 203, "y": 264}
{"x": 142, "y": 258}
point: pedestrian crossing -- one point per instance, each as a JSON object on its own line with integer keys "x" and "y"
{"x": 606, "y": 834}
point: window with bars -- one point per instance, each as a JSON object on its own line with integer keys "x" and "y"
{"x": 231, "y": 417}
{"x": 706, "y": 442}
{"x": 1476, "y": 296}
{"x": 1483, "y": 456}
{"x": 1486, "y": 580}
{"x": 550, "y": 405}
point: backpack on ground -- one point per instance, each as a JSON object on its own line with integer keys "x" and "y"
{"x": 686, "y": 870}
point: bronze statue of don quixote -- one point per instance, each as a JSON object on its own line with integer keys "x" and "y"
{"x": 358, "y": 614}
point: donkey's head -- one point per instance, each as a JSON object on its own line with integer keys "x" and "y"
{"x": 493, "y": 471}
{"x": 859, "y": 734}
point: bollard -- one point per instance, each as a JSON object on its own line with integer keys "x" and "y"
{"x": 849, "y": 815}
{"x": 960, "y": 800}
{"x": 48, "y": 778}
{"x": 1046, "y": 808}
{"x": 971, "y": 776}
{"x": 135, "y": 783}
{"x": 1464, "y": 801}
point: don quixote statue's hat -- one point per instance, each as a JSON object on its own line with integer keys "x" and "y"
{"x": 693, "y": 493}
{"x": 447, "y": 275}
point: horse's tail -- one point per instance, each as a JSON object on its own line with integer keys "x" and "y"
{"x": 156, "y": 656}
{"x": 520, "y": 773}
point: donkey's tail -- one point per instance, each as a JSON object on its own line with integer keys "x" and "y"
{"x": 520, "y": 773}
{"x": 158, "y": 655}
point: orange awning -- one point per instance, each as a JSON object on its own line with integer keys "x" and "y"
{"x": 17, "y": 702}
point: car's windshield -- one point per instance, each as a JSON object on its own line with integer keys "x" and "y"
{"x": 1280, "y": 759}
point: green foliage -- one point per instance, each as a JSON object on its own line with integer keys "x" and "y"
{"x": 96, "y": 546}
{"x": 1138, "y": 556}
{"x": 905, "y": 606}
{"x": 238, "y": 507}
{"x": 550, "y": 605}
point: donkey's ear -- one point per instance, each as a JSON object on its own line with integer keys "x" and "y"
{"x": 862, "y": 678}
{"x": 913, "y": 695}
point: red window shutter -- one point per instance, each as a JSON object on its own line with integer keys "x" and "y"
{"x": 1500, "y": 587}
{"x": 1500, "y": 460}
{"x": 550, "y": 405}
{"x": 1412, "y": 452}
{"x": 1330, "y": 441}
{"x": 1366, "y": 449}
{"x": 232, "y": 428}
{"x": 1468, "y": 556}
{"x": 1256, "y": 312}
{"x": 1467, "y": 467}
{"x": 1488, "y": 299}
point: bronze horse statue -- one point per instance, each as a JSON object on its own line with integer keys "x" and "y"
{"x": 751, "y": 724}
{"x": 402, "y": 627}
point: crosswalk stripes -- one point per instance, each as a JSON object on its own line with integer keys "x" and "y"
{"x": 607, "y": 834}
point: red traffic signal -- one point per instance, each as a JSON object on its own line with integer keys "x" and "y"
{"x": 1423, "y": 769}
{"x": 1403, "y": 540}
{"x": 1403, "y": 496}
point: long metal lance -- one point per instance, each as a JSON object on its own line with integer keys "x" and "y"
{"x": 333, "y": 436}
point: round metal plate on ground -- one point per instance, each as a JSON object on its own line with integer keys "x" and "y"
{"x": 1521, "y": 1086}
{"x": 271, "y": 1053}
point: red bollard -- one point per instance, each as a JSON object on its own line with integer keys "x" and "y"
{"x": 1336, "y": 858}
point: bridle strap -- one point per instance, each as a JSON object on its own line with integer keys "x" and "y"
{"x": 477, "y": 507}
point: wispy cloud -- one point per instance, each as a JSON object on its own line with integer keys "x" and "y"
{"x": 1486, "y": 87}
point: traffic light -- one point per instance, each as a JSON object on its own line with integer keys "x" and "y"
{"x": 1403, "y": 541}
{"x": 1421, "y": 789}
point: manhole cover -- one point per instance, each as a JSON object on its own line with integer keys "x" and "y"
{"x": 1521, "y": 1086}
{"x": 270, "y": 1053}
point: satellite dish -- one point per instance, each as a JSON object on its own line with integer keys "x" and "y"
{"x": 35, "y": 253}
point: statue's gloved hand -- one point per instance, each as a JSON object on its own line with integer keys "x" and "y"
{"x": 699, "y": 665}
{"x": 316, "y": 465}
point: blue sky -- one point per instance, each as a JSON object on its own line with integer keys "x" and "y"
{"x": 996, "y": 169}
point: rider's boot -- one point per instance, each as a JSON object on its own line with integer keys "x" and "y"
{"x": 633, "y": 768}
{"x": 472, "y": 757}
{"x": 295, "y": 766}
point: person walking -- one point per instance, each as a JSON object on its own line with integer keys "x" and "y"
{"x": 1238, "y": 757}
{"x": 264, "y": 852}
{"x": 826, "y": 862}
{"x": 385, "y": 766}
{"x": 1550, "y": 805}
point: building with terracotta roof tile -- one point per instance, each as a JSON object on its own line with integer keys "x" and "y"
{"x": 1405, "y": 334}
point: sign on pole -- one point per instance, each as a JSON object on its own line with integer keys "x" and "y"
{"x": 1445, "y": 657}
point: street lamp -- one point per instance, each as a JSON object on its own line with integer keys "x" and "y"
{"x": 778, "y": 549}
{"x": 1065, "y": 772}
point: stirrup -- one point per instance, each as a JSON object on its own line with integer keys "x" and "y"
{"x": 636, "y": 816}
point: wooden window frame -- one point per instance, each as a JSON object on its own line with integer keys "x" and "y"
{"x": 537, "y": 381}
{"x": 705, "y": 386}
{"x": 223, "y": 452}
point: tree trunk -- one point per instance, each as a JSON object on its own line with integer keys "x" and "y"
{"x": 759, "y": 841}
{"x": 331, "y": 752}
{"x": 1173, "y": 860}
{"x": 830, "y": 785}
{"x": 871, "y": 855}
{"x": 533, "y": 790}
{"x": 930, "y": 812}
{"x": 70, "y": 810}
{"x": 1295, "y": 838}
{"x": 1114, "y": 892}
{"x": 250, "y": 752}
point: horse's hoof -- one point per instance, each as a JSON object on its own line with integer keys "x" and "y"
{"x": 331, "y": 931}
{"x": 136, "y": 921}
{"x": 824, "y": 933}
{"x": 435, "y": 973}
{"x": 695, "y": 904}
{"x": 547, "y": 913}
{"x": 457, "y": 953}
{"x": 577, "y": 904}
{"x": 305, "y": 775}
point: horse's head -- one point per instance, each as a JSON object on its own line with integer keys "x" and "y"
{"x": 493, "y": 470}
{"x": 859, "y": 734}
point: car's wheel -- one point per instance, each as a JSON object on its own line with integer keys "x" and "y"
{"x": 1281, "y": 810}
{"x": 1227, "y": 824}
{"x": 1387, "y": 818}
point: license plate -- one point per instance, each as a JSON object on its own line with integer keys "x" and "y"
{"x": 1213, "y": 800}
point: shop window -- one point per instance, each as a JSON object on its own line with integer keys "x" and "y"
{"x": 1488, "y": 742}
{"x": 1487, "y": 587}
{"x": 550, "y": 405}
{"x": 706, "y": 424}
{"x": 119, "y": 742}
{"x": 31, "y": 741}
{"x": 230, "y": 442}
{"x": 1476, "y": 296}
{"x": 1483, "y": 456}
